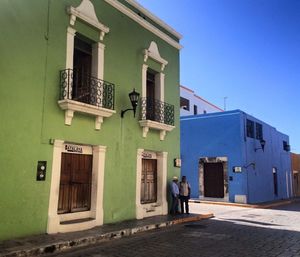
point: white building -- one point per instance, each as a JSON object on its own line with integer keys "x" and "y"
{"x": 192, "y": 104}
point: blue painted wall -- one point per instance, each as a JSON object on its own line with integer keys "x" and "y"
{"x": 260, "y": 179}
{"x": 224, "y": 135}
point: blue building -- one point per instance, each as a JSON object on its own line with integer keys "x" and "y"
{"x": 232, "y": 156}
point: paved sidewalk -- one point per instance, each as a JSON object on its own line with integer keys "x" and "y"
{"x": 43, "y": 244}
{"x": 264, "y": 205}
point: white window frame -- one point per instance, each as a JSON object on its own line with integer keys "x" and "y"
{"x": 85, "y": 12}
{"x": 153, "y": 53}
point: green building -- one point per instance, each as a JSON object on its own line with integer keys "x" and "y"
{"x": 68, "y": 160}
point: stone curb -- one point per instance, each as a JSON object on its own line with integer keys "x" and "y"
{"x": 261, "y": 206}
{"x": 97, "y": 238}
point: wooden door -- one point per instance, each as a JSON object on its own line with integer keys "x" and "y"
{"x": 75, "y": 183}
{"x": 82, "y": 65}
{"x": 149, "y": 181}
{"x": 150, "y": 92}
{"x": 296, "y": 184}
{"x": 213, "y": 180}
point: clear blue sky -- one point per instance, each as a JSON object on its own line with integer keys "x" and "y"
{"x": 246, "y": 50}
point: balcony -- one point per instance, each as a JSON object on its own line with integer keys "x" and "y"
{"x": 156, "y": 115}
{"x": 85, "y": 94}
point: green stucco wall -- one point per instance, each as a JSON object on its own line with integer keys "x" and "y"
{"x": 32, "y": 52}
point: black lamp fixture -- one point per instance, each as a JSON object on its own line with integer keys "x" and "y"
{"x": 134, "y": 98}
{"x": 262, "y": 144}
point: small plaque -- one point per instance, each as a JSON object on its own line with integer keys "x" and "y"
{"x": 237, "y": 169}
{"x": 177, "y": 162}
{"x": 73, "y": 148}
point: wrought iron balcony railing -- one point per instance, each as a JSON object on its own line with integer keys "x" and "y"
{"x": 81, "y": 87}
{"x": 156, "y": 110}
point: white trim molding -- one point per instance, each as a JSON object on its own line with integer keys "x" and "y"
{"x": 154, "y": 18}
{"x": 154, "y": 54}
{"x": 160, "y": 207}
{"x": 98, "y": 60}
{"x": 57, "y": 223}
{"x": 71, "y": 106}
{"x": 147, "y": 25}
{"x": 86, "y": 12}
{"x": 163, "y": 128}
{"x": 144, "y": 80}
{"x": 70, "y": 51}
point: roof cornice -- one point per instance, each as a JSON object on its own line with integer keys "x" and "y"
{"x": 153, "y": 17}
{"x": 147, "y": 25}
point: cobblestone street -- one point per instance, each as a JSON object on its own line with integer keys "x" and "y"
{"x": 235, "y": 231}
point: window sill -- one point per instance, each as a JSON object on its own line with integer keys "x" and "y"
{"x": 163, "y": 128}
{"x": 71, "y": 106}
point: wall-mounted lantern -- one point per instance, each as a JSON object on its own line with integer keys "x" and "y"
{"x": 251, "y": 164}
{"x": 134, "y": 98}
{"x": 262, "y": 144}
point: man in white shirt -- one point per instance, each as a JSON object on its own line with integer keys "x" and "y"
{"x": 175, "y": 195}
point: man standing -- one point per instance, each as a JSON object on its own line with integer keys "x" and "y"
{"x": 184, "y": 194}
{"x": 175, "y": 195}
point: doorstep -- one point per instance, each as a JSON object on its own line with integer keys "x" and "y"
{"x": 45, "y": 244}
